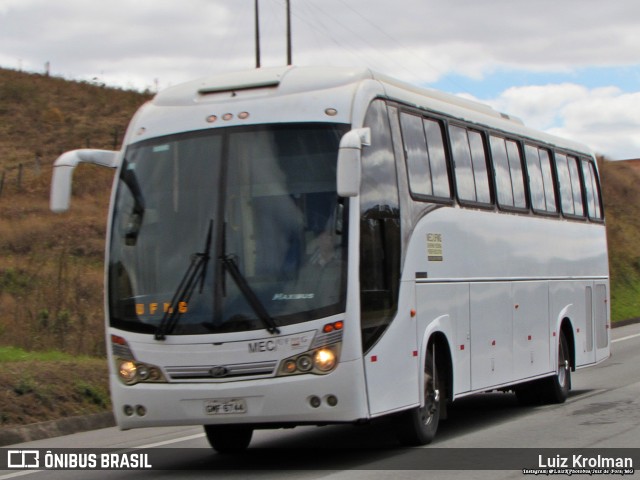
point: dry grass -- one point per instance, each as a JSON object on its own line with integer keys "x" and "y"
{"x": 51, "y": 266}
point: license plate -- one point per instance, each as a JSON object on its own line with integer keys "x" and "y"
{"x": 226, "y": 406}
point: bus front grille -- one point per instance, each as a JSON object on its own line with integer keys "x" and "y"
{"x": 209, "y": 372}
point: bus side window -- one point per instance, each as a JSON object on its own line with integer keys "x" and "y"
{"x": 507, "y": 163}
{"x": 380, "y": 245}
{"x": 592, "y": 190}
{"x": 470, "y": 162}
{"x": 576, "y": 186}
{"x": 564, "y": 180}
{"x": 423, "y": 142}
{"x": 570, "y": 186}
{"x": 543, "y": 196}
{"x": 437, "y": 158}
{"x": 416, "y": 154}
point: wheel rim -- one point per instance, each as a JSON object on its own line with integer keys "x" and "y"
{"x": 431, "y": 397}
{"x": 563, "y": 364}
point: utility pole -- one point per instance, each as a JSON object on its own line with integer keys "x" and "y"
{"x": 289, "y": 61}
{"x": 257, "y": 29}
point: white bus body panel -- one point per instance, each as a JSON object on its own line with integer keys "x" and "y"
{"x": 501, "y": 290}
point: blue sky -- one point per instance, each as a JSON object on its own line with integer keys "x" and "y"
{"x": 626, "y": 78}
{"x": 570, "y": 67}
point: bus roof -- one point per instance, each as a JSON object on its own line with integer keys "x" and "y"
{"x": 343, "y": 83}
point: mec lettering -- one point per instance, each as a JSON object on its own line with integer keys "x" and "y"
{"x": 263, "y": 346}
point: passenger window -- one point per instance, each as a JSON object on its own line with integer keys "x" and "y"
{"x": 415, "y": 149}
{"x": 425, "y": 155}
{"x": 570, "y": 186}
{"x": 437, "y": 158}
{"x": 592, "y": 190}
{"x": 543, "y": 197}
{"x": 564, "y": 180}
{"x": 470, "y": 165}
{"x": 507, "y": 163}
{"x": 576, "y": 186}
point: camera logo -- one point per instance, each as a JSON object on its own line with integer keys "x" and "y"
{"x": 23, "y": 459}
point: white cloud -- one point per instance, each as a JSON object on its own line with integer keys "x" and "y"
{"x": 421, "y": 39}
{"x": 136, "y": 43}
{"x": 605, "y": 119}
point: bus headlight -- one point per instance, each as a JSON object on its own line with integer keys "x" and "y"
{"x": 324, "y": 360}
{"x": 319, "y": 361}
{"x": 131, "y": 372}
{"x": 127, "y": 371}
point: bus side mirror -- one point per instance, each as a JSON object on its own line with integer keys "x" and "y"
{"x": 350, "y": 161}
{"x": 63, "y": 173}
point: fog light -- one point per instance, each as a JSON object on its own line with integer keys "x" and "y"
{"x": 127, "y": 370}
{"x": 314, "y": 401}
{"x": 324, "y": 360}
{"x": 332, "y": 400}
{"x": 141, "y": 410}
{"x": 128, "y": 410}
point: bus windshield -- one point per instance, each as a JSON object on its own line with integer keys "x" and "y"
{"x": 260, "y": 199}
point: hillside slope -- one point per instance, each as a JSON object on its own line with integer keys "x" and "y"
{"x": 620, "y": 182}
{"x": 51, "y": 274}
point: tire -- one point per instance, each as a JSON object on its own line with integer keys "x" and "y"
{"x": 556, "y": 388}
{"x": 553, "y": 389}
{"x": 419, "y": 425}
{"x": 228, "y": 438}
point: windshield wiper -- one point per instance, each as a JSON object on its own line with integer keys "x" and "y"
{"x": 230, "y": 264}
{"x": 128, "y": 177}
{"x": 197, "y": 271}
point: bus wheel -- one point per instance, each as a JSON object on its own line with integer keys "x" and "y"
{"x": 228, "y": 438}
{"x": 418, "y": 426}
{"x": 557, "y": 387}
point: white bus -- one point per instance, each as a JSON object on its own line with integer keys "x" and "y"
{"x": 307, "y": 246}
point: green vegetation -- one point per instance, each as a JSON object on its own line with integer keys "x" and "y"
{"x": 622, "y": 209}
{"x": 15, "y": 354}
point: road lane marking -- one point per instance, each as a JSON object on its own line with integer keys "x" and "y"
{"x": 19, "y": 474}
{"x": 629, "y": 337}
{"x": 169, "y": 442}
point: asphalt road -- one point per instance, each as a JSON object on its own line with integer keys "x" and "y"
{"x": 603, "y": 412}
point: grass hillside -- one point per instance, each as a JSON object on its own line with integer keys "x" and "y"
{"x": 620, "y": 182}
{"x": 51, "y": 265}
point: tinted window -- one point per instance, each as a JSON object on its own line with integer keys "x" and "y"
{"x": 425, "y": 155}
{"x": 508, "y": 172}
{"x": 517, "y": 175}
{"x": 470, "y": 165}
{"x": 437, "y": 158}
{"x": 564, "y": 180}
{"x": 576, "y": 186}
{"x": 379, "y": 228}
{"x": 415, "y": 148}
{"x": 570, "y": 186}
{"x": 592, "y": 190}
{"x": 543, "y": 197}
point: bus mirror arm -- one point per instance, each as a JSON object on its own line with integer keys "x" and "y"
{"x": 350, "y": 161}
{"x": 63, "y": 169}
